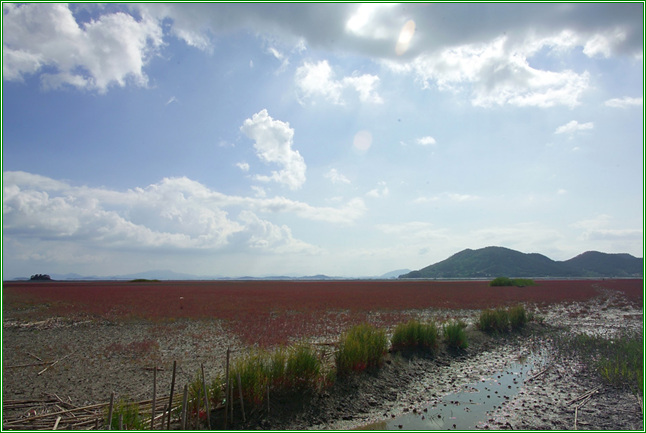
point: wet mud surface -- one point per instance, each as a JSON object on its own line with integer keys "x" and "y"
{"x": 98, "y": 357}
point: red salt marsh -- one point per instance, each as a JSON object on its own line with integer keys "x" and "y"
{"x": 274, "y": 310}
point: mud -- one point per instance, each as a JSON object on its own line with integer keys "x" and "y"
{"x": 99, "y": 357}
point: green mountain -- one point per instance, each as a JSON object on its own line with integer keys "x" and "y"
{"x": 491, "y": 262}
{"x": 596, "y": 264}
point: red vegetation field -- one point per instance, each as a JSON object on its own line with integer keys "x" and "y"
{"x": 270, "y": 311}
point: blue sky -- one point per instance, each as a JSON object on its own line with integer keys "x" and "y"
{"x": 345, "y": 139}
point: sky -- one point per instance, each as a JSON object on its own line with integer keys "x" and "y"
{"x": 299, "y": 139}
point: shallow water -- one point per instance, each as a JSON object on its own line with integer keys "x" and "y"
{"x": 472, "y": 404}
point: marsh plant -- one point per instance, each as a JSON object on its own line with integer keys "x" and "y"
{"x": 455, "y": 336}
{"x": 619, "y": 360}
{"x": 415, "y": 335}
{"x": 125, "y": 415}
{"x": 499, "y": 320}
{"x": 361, "y": 347}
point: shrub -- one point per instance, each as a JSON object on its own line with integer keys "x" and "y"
{"x": 501, "y": 281}
{"x": 455, "y": 336}
{"x": 415, "y": 335}
{"x": 506, "y": 281}
{"x": 517, "y": 317}
{"x": 361, "y": 347}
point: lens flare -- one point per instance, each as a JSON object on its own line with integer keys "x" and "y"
{"x": 405, "y": 37}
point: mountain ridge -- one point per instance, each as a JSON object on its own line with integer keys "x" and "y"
{"x": 494, "y": 261}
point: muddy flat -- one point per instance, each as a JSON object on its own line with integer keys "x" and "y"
{"x": 82, "y": 341}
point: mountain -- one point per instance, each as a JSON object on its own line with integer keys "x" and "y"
{"x": 596, "y": 264}
{"x": 394, "y": 274}
{"x": 499, "y": 261}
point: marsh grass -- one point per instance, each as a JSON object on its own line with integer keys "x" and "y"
{"x": 499, "y": 321}
{"x": 518, "y": 317}
{"x": 415, "y": 335}
{"x": 455, "y": 336}
{"x": 362, "y": 346}
{"x": 294, "y": 369}
{"x": 619, "y": 361}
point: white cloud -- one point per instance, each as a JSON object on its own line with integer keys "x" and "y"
{"x": 379, "y": 192}
{"x": 243, "y": 166}
{"x": 336, "y": 177}
{"x": 273, "y": 141}
{"x": 573, "y": 126}
{"x": 624, "y": 102}
{"x": 176, "y": 214}
{"x": 447, "y": 196}
{"x": 111, "y": 50}
{"x": 497, "y": 73}
{"x": 317, "y": 79}
{"x": 426, "y": 141}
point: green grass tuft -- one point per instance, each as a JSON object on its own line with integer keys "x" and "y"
{"x": 454, "y": 335}
{"x": 415, "y": 335}
{"x": 361, "y": 347}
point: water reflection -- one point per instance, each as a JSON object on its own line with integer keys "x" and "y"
{"x": 464, "y": 409}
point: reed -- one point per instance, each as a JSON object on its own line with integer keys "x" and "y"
{"x": 454, "y": 335}
{"x": 415, "y": 335}
{"x": 361, "y": 347}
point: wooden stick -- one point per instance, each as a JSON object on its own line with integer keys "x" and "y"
{"x": 576, "y": 410}
{"x": 31, "y": 354}
{"x": 206, "y": 400}
{"x": 584, "y": 395}
{"x": 58, "y": 419}
{"x": 172, "y": 390}
{"x": 241, "y": 401}
{"x": 110, "y": 411}
{"x": 185, "y": 407}
{"x": 121, "y": 421}
{"x": 54, "y": 363}
{"x": 29, "y": 365}
{"x": 154, "y": 403}
{"x": 540, "y": 373}
{"x": 226, "y": 401}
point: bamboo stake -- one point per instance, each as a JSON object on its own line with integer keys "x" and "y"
{"x": 154, "y": 403}
{"x": 58, "y": 419}
{"x": 110, "y": 411}
{"x": 226, "y": 401}
{"x": 576, "y": 410}
{"x": 241, "y": 402}
{"x": 172, "y": 389}
{"x": 184, "y": 407}
{"x": 121, "y": 421}
{"x": 206, "y": 400}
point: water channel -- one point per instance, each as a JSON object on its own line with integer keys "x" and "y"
{"x": 473, "y": 403}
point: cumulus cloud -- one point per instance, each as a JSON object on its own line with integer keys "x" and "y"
{"x": 318, "y": 79}
{"x": 624, "y": 102}
{"x": 336, "y": 177}
{"x": 110, "y": 50}
{"x": 243, "y": 166}
{"x": 425, "y": 141}
{"x": 573, "y": 126}
{"x": 273, "y": 141}
{"x": 175, "y": 214}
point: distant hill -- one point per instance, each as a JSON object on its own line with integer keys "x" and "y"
{"x": 394, "y": 274}
{"x": 596, "y": 264}
{"x": 492, "y": 262}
